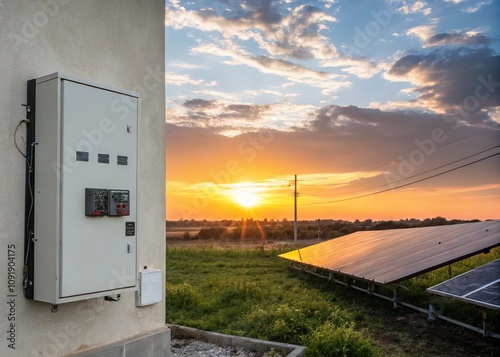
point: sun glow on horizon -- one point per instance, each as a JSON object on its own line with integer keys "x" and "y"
{"x": 246, "y": 196}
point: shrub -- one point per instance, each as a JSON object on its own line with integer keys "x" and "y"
{"x": 182, "y": 296}
{"x": 330, "y": 341}
{"x": 285, "y": 323}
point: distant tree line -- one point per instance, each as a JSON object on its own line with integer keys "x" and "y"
{"x": 269, "y": 230}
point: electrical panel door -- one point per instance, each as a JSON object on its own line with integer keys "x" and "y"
{"x": 84, "y": 190}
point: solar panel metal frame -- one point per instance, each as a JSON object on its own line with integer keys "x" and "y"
{"x": 479, "y": 286}
{"x": 389, "y": 256}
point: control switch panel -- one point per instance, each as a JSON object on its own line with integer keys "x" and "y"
{"x": 119, "y": 202}
{"x": 96, "y": 202}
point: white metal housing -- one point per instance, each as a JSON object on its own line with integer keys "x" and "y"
{"x": 86, "y": 137}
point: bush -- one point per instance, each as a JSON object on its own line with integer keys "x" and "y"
{"x": 287, "y": 322}
{"x": 211, "y": 233}
{"x": 330, "y": 341}
{"x": 281, "y": 323}
{"x": 182, "y": 296}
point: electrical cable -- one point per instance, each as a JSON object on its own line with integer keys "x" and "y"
{"x": 275, "y": 198}
{"x": 15, "y": 141}
{"x": 437, "y": 147}
{"x": 407, "y": 178}
{"x": 412, "y": 176}
{"x": 29, "y": 164}
{"x": 404, "y": 185}
{"x": 380, "y": 166}
{"x": 400, "y": 160}
{"x": 400, "y": 180}
{"x": 30, "y": 188}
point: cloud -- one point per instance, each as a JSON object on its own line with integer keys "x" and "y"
{"x": 184, "y": 65}
{"x": 328, "y": 3}
{"x": 427, "y": 35}
{"x": 328, "y": 82}
{"x": 199, "y": 103}
{"x": 414, "y": 7}
{"x": 476, "y": 7}
{"x": 392, "y": 105}
{"x": 184, "y": 79}
{"x": 217, "y": 115}
{"x": 285, "y": 40}
{"x": 296, "y": 35}
{"x": 299, "y": 34}
{"x": 423, "y": 32}
{"x": 457, "y": 39}
{"x": 361, "y": 68}
{"x": 336, "y": 140}
{"x": 219, "y": 95}
{"x": 450, "y": 80}
{"x": 233, "y": 118}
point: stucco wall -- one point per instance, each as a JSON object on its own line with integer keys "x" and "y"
{"x": 114, "y": 42}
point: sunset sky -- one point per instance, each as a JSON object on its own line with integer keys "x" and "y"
{"x": 356, "y": 98}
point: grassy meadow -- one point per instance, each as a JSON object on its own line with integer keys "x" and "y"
{"x": 250, "y": 292}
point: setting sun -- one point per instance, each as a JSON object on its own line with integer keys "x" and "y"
{"x": 242, "y": 124}
{"x": 245, "y": 196}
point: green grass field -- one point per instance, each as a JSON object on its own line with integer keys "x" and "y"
{"x": 250, "y": 292}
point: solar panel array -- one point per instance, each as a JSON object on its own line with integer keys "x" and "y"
{"x": 388, "y": 256}
{"x": 480, "y": 286}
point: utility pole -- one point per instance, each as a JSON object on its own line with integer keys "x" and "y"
{"x": 295, "y": 210}
{"x": 318, "y": 228}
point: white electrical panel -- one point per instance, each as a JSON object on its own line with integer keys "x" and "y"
{"x": 84, "y": 212}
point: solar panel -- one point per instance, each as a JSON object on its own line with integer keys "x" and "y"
{"x": 389, "y": 256}
{"x": 480, "y": 286}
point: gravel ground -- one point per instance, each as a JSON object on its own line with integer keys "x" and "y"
{"x": 194, "y": 348}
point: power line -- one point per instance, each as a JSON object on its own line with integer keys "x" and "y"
{"x": 400, "y": 180}
{"x": 439, "y": 146}
{"x": 400, "y": 160}
{"x": 275, "y": 198}
{"x": 401, "y": 186}
{"x": 416, "y": 175}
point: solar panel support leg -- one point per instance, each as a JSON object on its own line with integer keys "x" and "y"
{"x": 483, "y": 318}
{"x": 395, "y": 297}
{"x": 431, "y": 312}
